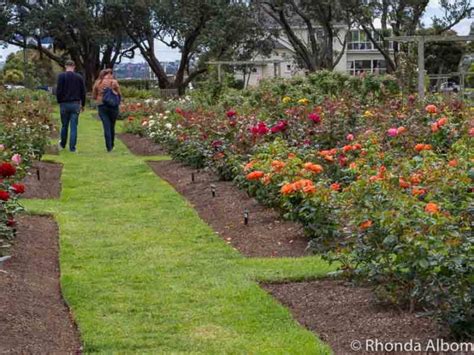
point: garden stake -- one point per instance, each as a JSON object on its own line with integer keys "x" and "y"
{"x": 213, "y": 190}
{"x": 38, "y": 174}
{"x": 246, "y": 217}
{"x": 192, "y": 177}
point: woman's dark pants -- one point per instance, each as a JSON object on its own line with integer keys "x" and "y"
{"x": 108, "y": 115}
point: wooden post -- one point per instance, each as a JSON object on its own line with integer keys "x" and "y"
{"x": 219, "y": 72}
{"x": 421, "y": 67}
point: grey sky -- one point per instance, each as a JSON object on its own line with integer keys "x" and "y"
{"x": 167, "y": 54}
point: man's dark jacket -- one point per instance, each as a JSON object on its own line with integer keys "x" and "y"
{"x": 71, "y": 88}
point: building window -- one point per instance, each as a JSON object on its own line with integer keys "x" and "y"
{"x": 359, "y": 41}
{"x": 379, "y": 66}
{"x": 358, "y": 67}
{"x": 288, "y": 67}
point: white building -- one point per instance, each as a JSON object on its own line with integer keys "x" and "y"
{"x": 359, "y": 56}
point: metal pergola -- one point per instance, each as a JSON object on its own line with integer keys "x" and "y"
{"x": 250, "y": 63}
{"x": 421, "y": 40}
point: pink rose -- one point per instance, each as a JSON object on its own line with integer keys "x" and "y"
{"x": 392, "y": 132}
{"x": 350, "y": 137}
{"x": 16, "y": 159}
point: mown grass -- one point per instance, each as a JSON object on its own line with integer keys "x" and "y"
{"x": 142, "y": 273}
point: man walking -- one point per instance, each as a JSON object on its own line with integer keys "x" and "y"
{"x": 71, "y": 96}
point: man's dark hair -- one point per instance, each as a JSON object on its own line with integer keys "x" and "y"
{"x": 69, "y": 63}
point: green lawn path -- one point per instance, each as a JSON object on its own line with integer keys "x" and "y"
{"x": 143, "y": 273}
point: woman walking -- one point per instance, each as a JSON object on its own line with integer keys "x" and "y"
{"x": 106, "y": 92}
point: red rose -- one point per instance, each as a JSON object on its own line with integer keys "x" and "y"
{"x": 18, "y": 188}
{"x": 231, "y": 113}
{"x": 314, "y": 117}
{"x": 11, "y": 222}
{"x": 279, "y": 127}
{"x": 4, "y": 195}
{"x": 260, "y": 129}
{"x": 7, "y": 170}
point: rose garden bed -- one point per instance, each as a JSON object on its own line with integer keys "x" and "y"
{"x": 43, "y": 180}
{"x": 340, "y": 313}
{"x": 33, "y": 315}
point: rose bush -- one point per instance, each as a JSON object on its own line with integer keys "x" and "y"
{"x": 25, "y": 128}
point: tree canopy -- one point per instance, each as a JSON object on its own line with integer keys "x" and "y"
{"x": 201, "y": 29}
{"x": 85, "y": 31}
{"x": 323, "y": 21}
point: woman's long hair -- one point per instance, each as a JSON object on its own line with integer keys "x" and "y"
{"x": 103, "y": 73}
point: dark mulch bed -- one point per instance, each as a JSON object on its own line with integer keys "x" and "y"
{"x": 43, "y": 181}
{"x": 340, "y": 313}
{"x": 33, "y": 315}
{"x": 140, "y": 145}
{"x": 266, "y": 235}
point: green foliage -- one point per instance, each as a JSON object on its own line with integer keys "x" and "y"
{"x": 40, "y": 70}
{"x": 24, "y": 134}
{"x": 134, "y": 93}
{"x": 13, "y": 76}
{"x": 206, "y": 29}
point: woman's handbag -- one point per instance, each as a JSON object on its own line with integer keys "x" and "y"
{"x": 110, "y": 98}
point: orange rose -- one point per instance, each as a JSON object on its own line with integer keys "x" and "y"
{"x": 431, "y": 208}
{"x": 357, "y": 146}
{"x": 255, "y": 175}
{"x": 418, "y": 192}
{"x": 353, "y": 166}
{"x": 249, "y": 165}
{"x": 401, "y": 130}
{"x": 266, "y": 179}
{"x": 347, "y": 148}
{"x": 310, "y": 189}
{"x": 415, "y": 179}
{"x": 335, "y": 187}
{"x": 403, "y": 184}
{"x": 287, "y": 189}
{"x": 419, "y": 147}
{"x": 366, "y": 224}
{"x": 278, "y": 165}
{"x": 431, "y": 109}
{"x": 301, "y": 184}
{"x": 315, "y": 168}
{"x": 442, "y": 121}
{"x": 329, "y": 158}
{"x": 375, "y": 178}
{"x": 453, "y": 163}
{"x": 434, "y": 127}
{"x": 291, "y": 155}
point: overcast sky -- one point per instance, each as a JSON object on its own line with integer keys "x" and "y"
{"x": 167, "y": 54}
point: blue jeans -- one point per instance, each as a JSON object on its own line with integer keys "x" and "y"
{"x": 108, "y": 115}
{"x": 69, "y": 116}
